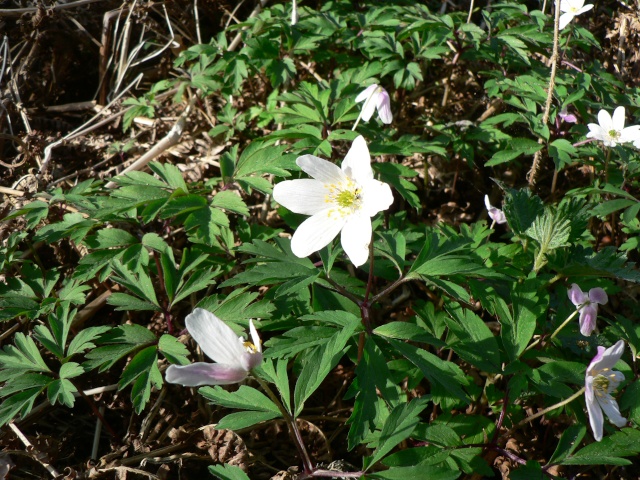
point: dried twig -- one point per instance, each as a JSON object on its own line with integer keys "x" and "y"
{"x": 38, "y": 456}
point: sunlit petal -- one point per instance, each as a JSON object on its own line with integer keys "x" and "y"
{"x": 366, "y": 93}
{"x": 215, "y": 338}
{"x": 357, "y": 163}
{"x": 376, "y": 197}
{"x": 617, "y": 121}
{"x": 355, "y": 238}
{"x": 596, "y": 419}
{"x": 316, "y": 232}
{"x": 305, "y": 196}
{"x": 611, "y": 410}
{"x": 320, "y": 169}
{"x": 384, "y": 107}
{"x": 565, "y": 19}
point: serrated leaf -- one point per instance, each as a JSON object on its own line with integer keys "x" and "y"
{"x": 610, "y": 451}
{"x": 245, "y": 398}
{"x": 173, "y": 350}
{"x": 227, "y": 472}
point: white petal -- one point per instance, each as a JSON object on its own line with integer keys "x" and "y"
{"x": 487, "y": 203}
{"x": 611, "y": 410}
{"x": 316, "y": 232}
{"x": 251, "y": 360}
{"x": 586, "y": 8}
{"x": 216, "y": 339}
{"x": 565, "y": 18}
{"x": 357, "y": 164}
{"x": 596, "y": 419}
{"x": 306, "y": 196}
{"x": 384, "y": 107}
{"x": 255, "y": 338}
{"x": 320, "y": 169}
{"x": 630, "y": 134}
{"x": 368, "y": 108}
{"x": 618, "y": 119}
{"x": 376, "y": 197}
{"x": 201, "y": 373}
{"x": 597, "y": 132}
{"x": 605, "y": 121}
{"x": 365, "y": 94}
{"x": 355, "y": 239}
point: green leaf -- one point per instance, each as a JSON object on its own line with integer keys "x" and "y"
{"x": 173, "y": 350}
{"x": 240, "y": 420}
{"x": 19, "y": 404}
{"x": 399, "y": 426}
{"x": 569, "y": 441}
{"x": 436, "y": 370}
{"x": 120, "y": 342}
{"x": 245, "y": 398}
{"x": 61, "y": 391}
{"x": 317, "y": 365}
{"x": 610, "y": 451}
{"x": 521, "y": 208}
{"x": 24, "y": 357}
{"x": 227, "y": 472}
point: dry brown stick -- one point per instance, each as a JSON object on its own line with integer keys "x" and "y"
{"x": 167, "y": 142}
{"x": 17, "y": 12}
{"x": 38, "y": 456}
{"x": 238, "y": 38}
{"x": 547, "y": 108}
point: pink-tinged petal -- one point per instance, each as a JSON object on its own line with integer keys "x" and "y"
{"x": 316, "y": 232}
{"x": 251, "y": 360}
{"x": 617, "y": 120}
{"x": 320, "y": 169}
{"x": 384, "y": 107}
{"x": 306, "y": 196}
{"x": 605, "y": 120}
{"x": 607, "y": 358}
{"x": 365, "y": 94}
{"x": 255, "y": 338}
{"x": 376, "y": 197}
{"x": 588, "y": 317}
{"x": 576, "y": 295}
{"x": 497, "y": 215}
{"x": 565, "y": 19}
{"x": 611, "y": 410}
{"x": 201, "y": 373}
{"x": 357, "y": 164}
{"x": 215, "y": 338}
{"x": 598, "y": 295}
{"x": 596, "y": 419}
{"x": 355, "y": 239}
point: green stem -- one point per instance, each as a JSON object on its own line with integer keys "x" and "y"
{"x": 555, "y": 333}
{"x": 293, "y": 428}
{"x": 548, "y": 409}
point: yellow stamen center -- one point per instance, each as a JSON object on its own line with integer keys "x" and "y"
{"x": 346, "y": 196}
{"x": 251, "y": 348}
{"x": 614, "y": 134}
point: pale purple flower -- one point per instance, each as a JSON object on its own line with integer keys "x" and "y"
{"x": 611, "y": 130}
{"x": 567, "y": 117}
{"x": 600, "y": 381}
{"x": 587, "y": 305}
{"x": 571, "y": 9}
{"x": 495, "y": 214}
{"x": 375, "y": 97}
{"x": 234, "y": 356}
{"x": 338, "y": 200}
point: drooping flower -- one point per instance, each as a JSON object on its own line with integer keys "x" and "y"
{"x": 588, "y": 306}
{"x": 567, "y": 117}
{"x": 600, "y": 381}
{"x": 375, "y": 97}
{"x": 571, "y": 9}
{"x": 338, "y": 200}
{"x": 495, "y": 214}
{"x": 611, "y": 130}
{"x": 234, "y": 356}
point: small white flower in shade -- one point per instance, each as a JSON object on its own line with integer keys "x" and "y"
{"x": 587, "y": 304}
{"x": 571, "y": 9}
{"x": 234, "y": 356}
{"x": 600, "y": 381}
{"x": 338, "y": 200}
{"x": 375, "y": 97}
{"x": 495, "y": 214}
{"x": 611, "y": 130}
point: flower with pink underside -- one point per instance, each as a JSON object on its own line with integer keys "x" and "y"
{"x": 375, "y": 97}
{"x": 588, "y": 306}
{"x": 600, "y": 381}
{"x": 234, "y": 356}
{"x": 495, "y": 213}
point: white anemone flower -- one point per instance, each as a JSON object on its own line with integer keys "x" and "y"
{"x": 375, "y": 97}
{"x": 571, "y": 9}
{"x": 587, "y": 304}
{"x": 611, "y": 130}
{"x": 600, "y": 381}
{"x": 234, "y": 356}
{"x": 338, "y": 200}
{"x": 495, "y": 213}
